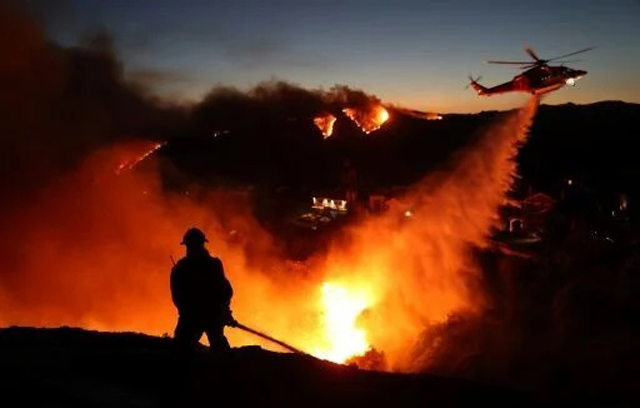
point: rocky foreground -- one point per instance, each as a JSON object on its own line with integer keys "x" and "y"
{"x": 73, "y": 367}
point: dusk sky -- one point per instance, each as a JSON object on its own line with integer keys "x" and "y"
{"x": 414, "y": 53}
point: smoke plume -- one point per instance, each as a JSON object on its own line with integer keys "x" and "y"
{"x": 226, "y": 108}
{"x": 59, "y": 104}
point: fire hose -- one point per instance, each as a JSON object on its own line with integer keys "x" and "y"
{"x": 267, "y": 337}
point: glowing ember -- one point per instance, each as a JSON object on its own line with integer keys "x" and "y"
{"x": 325, "y": 124}
{"x": 130, "y": 162}
{"x": 341, "y": 309}
{"x": 370, "y": 119}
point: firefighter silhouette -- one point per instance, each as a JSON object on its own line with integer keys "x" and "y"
{"x": 202, "y": 295}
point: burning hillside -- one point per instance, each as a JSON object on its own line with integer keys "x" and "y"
{"x": 103, "y": 180}
{"x": 325, "y": 124}
{"x": 277, "y": 101}
{"x": 369, "y": 119}
{"x": 365, "y": 293}
{"x": 94, "y": 247}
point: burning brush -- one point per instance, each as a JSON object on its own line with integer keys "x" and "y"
{"x": 368, "y": 119}
{"x": 325, "y": 124}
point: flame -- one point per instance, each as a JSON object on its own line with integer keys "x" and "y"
{"x": 341, "y": 307}
{"x": 325, "y": 124}
{"x": 129, "y": 162}
{"x": 95, "y": 254}
{"x": 419, "y": 267}
{"x": 369, "y": 119}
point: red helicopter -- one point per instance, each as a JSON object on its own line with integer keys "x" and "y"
{"x": 539, "y": 77}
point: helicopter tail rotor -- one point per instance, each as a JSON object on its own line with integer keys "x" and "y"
{"x": 473, "y": 83}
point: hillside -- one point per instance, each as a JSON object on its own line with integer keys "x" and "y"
{"x": 73, "y": 367}
{"x": 591, "y": 141}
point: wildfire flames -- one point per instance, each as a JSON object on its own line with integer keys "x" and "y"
{"x": 341, "y": 308}
{"x": 93, "y": 247}
{"x": 380, "y": 286}
{"x": 325, "y": 124}
{"x": 90, "y": 223}
{"x": 369, "y": 119}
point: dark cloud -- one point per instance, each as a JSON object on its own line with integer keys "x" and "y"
{"x": 60, "y": 103}
{"x": 155, "y": 78}
{"x": 227, "y": 107}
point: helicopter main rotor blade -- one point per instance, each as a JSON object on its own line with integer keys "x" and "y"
{"x": 568, "y": 61}
{"x": 532, "y": 54}
{"x": 572, "y": 53}
{"x": 510, "y": 62}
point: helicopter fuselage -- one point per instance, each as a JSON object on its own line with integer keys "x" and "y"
{"x": 537, "y": 80}
{"x": 545, "y": 78}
